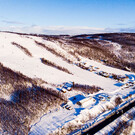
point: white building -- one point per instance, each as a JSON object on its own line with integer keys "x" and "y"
{"x": 86, "y": 101}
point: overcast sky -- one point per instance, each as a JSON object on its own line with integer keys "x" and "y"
{"x": 67, "y": 16}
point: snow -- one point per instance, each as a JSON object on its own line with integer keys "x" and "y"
{"x": 52, "y": 121}
{"x": 115, "y": 47}
{"x": 6, "y": 97}
{"x": 14, "y": 58}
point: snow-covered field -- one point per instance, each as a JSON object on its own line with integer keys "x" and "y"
{"x": 31, "y": 66}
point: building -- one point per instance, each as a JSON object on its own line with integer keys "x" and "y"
{"x": 86, "y": 101}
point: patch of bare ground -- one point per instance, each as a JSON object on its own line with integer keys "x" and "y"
{"x": 27, "y": 101}
{"x": 49, "y": 63}
{"x": 25, "y": 50}
{"x": 86, "y": 88}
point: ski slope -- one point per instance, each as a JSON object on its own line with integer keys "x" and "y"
{"x": 16, "y": 59}
{"x": 31, "y": 66}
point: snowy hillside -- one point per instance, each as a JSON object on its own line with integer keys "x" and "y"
{"x": 56, "y": 65}
{"x": 31, "y": 66}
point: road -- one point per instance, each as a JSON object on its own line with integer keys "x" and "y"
{"x": 107, "y": 121}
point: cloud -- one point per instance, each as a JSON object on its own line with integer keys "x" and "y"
{"x": 57, "y": 30}
{"x": 121, "y": 24}
{"x": 128, "y": 30}
{"x": 11, "y": 22}
{"x": 71, "y": 30}
{"x": 132, "y": 30}
{"x": 52, "y": 29}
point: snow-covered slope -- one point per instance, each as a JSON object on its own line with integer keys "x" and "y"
{"x": 14, "y": 58}
{"x": 24, "y": 54}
